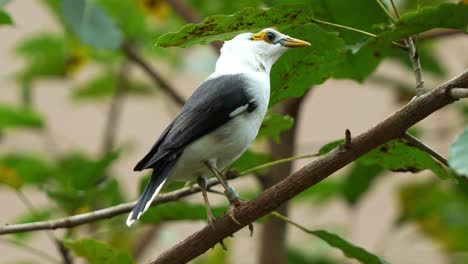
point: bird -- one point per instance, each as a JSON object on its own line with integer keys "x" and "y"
{"x": 219, "y": 121}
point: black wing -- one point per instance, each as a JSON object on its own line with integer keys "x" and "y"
{"x": 207, "y": 109}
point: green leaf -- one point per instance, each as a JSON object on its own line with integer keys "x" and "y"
{"x": 45, "y": 54}
{"x": 321, "y": 192}
{"x": 129, "y": 17}
{"x": 91, "y": 24}
{"x": 446, "y": 15}
{"x": 358, "y": 180}
{"x": 19, "y": 117}
{"x": 299, "y": 69}
{"x": 348, "y": 14}
{"x": 458, "y": 154}
{"x": 251, "y": 159}
{"x": 96, "y": 252}
{"x": 439, "y": 210}
{"x": 10, "y": 178}
{"x": 296, "y": 256}
{"x": 105, "y": 85}
{"x": 363, "y": 59}
{"x": 330, "y": 146}
{"x": 179, "y": 211}
{"x": 80, "y": 183}
{"x": 222, "y": 27}
{"x": 31, "y": 169}
{"x": 350, "y": 250}
{"x": 397, "y": 155}
{"x": 5, "y": 18}
{"x": 400, "y": 156}
{"x": 274, "y": 124}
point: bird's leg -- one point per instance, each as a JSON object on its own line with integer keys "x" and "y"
{"x": 230, "y": 193}
{"x": 202, "y": 183}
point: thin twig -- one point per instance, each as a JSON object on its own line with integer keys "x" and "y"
{"x": 277, "y": 162}
{"x": 134, "y": 57}
{"x": 289, "y": 221}
{"x": 269, "y": 200}
{"x": 459, "y": 93}
{"x": 63, "y": 251}
{"x": 395, "y": 9}
{"x": 417, "y": 143}
{"x": 354, "y": 30}
{"x": 414, "y": 57}
{"x": 81, "y": 219}
{"x": 384, "y": 8}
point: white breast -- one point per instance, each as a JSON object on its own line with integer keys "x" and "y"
{"x": 227, "y": 143}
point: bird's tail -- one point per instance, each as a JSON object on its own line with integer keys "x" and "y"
{"x": 158, "y": 178}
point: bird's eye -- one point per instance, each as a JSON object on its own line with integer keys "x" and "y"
{"x": 270, "y": 36}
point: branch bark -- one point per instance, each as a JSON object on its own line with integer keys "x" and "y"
{"x": 134, "y": 57}
{"x": 391, "y": 128}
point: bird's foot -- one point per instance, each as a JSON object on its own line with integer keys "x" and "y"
{"x": 235, "y": 204}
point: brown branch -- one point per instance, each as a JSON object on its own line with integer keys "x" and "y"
{"x": 62, "y": 250}
{"x": 391, "y": 128}
{"x": 134, "y": 57}
{"x": 191, "y": 16}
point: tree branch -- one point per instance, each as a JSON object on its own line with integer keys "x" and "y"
{"x": 134, "y": 57}
{"x": 391, "y": 128}
{"x": 81, "y": 219}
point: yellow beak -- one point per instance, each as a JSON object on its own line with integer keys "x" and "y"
{"x": 294, "y": 43}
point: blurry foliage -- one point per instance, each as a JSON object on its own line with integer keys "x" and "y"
{"x": 89, "y": 36}
{"x": 19, "y": 117}
{"x": 458, "y": 155}
{"x": 440, "y": 210}
{"x": 96, "y": 252}
{"x": 105, "y": 86}
{"x": 5, "y": 18}
{"x": 274, "y": 124}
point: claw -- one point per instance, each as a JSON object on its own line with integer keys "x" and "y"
{"x": 237, "y": 203}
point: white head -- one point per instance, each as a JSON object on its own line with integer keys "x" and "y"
{"x": 257, "y": 52}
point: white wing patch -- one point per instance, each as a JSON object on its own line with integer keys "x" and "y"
{"x": 238, "y": 110}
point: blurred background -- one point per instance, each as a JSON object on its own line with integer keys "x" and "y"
{"x": 84, "y": 116}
